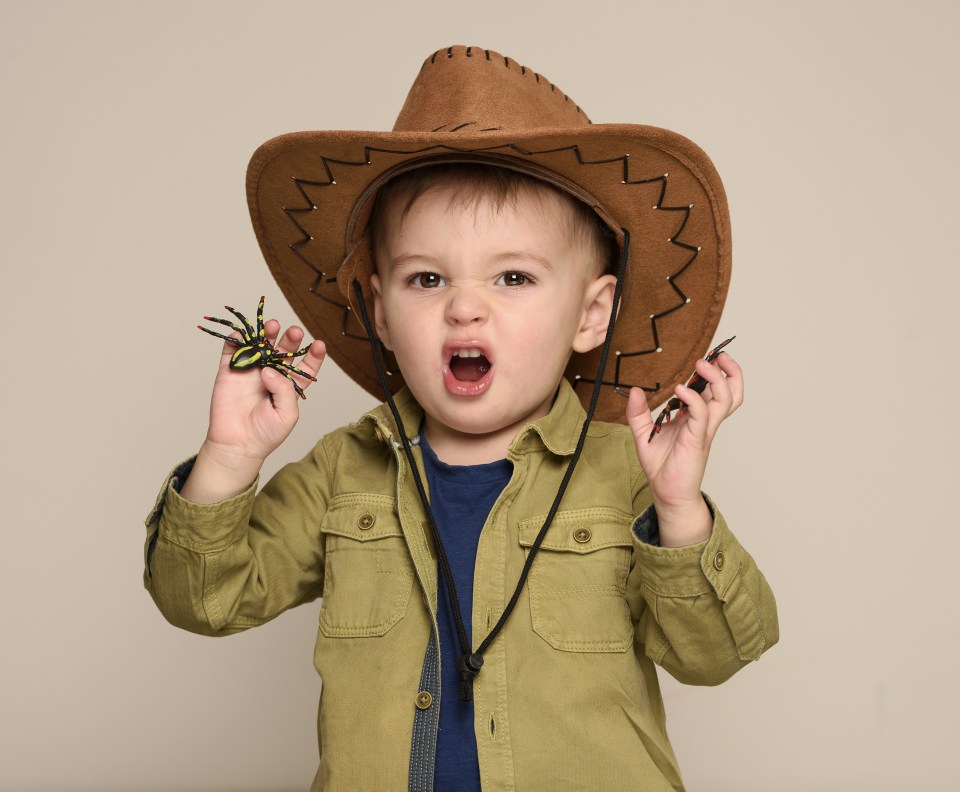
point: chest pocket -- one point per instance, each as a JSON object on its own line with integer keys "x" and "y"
{"x": 578, "y": 580}
{"x": 368, "y": 574}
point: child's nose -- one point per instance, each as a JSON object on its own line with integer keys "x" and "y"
{"x": 467, "y": 306}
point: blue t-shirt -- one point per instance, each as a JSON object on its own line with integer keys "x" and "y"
{"x": 461, "y": 497}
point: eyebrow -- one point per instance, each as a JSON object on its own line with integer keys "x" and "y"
{"x": 410, "y": 259}
{"x": 526, "y": 255}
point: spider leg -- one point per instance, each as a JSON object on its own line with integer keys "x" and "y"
{"x": 715, "y": 352}
{"x": 697, "y": 383}
{"x": 225, "y": 322}
{"x": 249, "y": 333}
{"x": 277, "y": 367}
{"x": 293, "y": 354}
{"x": 665, "y": 416}
{"x": 279, "y": 364}
{"x": 233, "y": 341}
{"x": 717, "y": 349}
{"x": 260, "y": 319}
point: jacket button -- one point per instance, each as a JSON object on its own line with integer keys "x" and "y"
{"x": 424, "y": 699}
{"x": 365, "y": 521}
{"x": 582, "y": 535}
{"x": 719, "y": 560}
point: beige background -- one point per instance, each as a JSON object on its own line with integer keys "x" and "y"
{"x": 126, "y": 129}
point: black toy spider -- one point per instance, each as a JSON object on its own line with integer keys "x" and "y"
{"x": 695, "y": 383}
{"x": 255, "y": 350}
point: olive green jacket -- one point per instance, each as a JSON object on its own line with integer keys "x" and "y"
{"x": 568, "y": 696}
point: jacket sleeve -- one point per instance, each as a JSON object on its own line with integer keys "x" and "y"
{"x": 703, "y": 611}
{"x": 217, "y": 569}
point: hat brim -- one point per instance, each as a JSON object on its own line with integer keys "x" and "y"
{"x": 309, "y": 198}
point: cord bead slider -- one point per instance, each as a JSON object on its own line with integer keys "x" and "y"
{"x": 468, "y": 667}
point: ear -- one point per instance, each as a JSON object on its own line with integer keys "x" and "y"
{"x": 379, "y": 314}
{"x": 597, "y": 302}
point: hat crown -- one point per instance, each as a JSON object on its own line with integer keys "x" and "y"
{"x": 476, "y": 90}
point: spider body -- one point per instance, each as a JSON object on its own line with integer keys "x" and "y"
{"x": 249, "y": 356}
{"x": 255, "y": 351}
{"x": 695, "y": 383}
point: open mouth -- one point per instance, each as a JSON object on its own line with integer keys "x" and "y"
{"x": 468, "y": 371}
{"x": 469, "y": 365}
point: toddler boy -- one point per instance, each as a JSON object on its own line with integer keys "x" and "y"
{"x": 499, "y": 574}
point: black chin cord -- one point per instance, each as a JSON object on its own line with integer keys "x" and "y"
{"x": 470, "y": 663}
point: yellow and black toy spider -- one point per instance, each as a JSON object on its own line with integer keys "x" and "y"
{"x": 255, "y": 350}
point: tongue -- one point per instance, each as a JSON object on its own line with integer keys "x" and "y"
{"x": 469, "y": 369}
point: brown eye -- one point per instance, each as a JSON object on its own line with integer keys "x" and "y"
{"x": 428, "y": 280}
{"x": 514, "y": 279}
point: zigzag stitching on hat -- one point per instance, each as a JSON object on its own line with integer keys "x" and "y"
{"x": 617, "y": 383}
{"x": 674, "y": 239}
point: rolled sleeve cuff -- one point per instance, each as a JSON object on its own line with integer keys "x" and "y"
{"x": 713, "y": 566}
{"x": 686, "y": 571}
{"x": 201, "y": 527}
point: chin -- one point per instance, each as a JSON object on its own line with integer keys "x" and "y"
{"x": 477, "y": 426}
{"x": 468, "y": 418}
{"x": 485, "y": 424}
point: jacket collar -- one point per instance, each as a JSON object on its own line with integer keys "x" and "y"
{"x": 411, "y": 413}
{"x": 557, "y": 432}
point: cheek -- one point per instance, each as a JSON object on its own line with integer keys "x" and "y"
{"x": 538, "y": 348}
{"x": 412, "y": 341}
{"x": 555, "y": 322}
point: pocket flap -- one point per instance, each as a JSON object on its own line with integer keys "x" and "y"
{"x": 580, "y": 530}
{"x": 362, "y": 517}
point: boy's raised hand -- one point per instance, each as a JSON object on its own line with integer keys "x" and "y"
{"x": 675, "y": 459}
{"x": 246, "y": 424}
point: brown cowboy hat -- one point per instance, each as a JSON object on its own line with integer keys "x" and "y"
{"x": 310, "y": 198}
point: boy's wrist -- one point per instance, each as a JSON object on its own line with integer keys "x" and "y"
{"x": 228, "y": 461}
{"x": 684, "y": 524}
{"x": 218, "y": 474}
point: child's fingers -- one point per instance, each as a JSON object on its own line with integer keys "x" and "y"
{"x": 723, "y": 398}
{"x": 284, "y": 396}
{"x": 639, "y": 418}
{"x": 314, "y": 358}
{"x": 734, "y": 378}
{"x": 309, "y": 364}
{"x": 271, "y": 328}
{"x": 720, "y": 399}
{"x": 697, "y": 423}
{"x": 717, "y": 393}
{"x": 290, "y": 341}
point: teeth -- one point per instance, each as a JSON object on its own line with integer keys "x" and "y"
{"x": 467, "y": 353}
